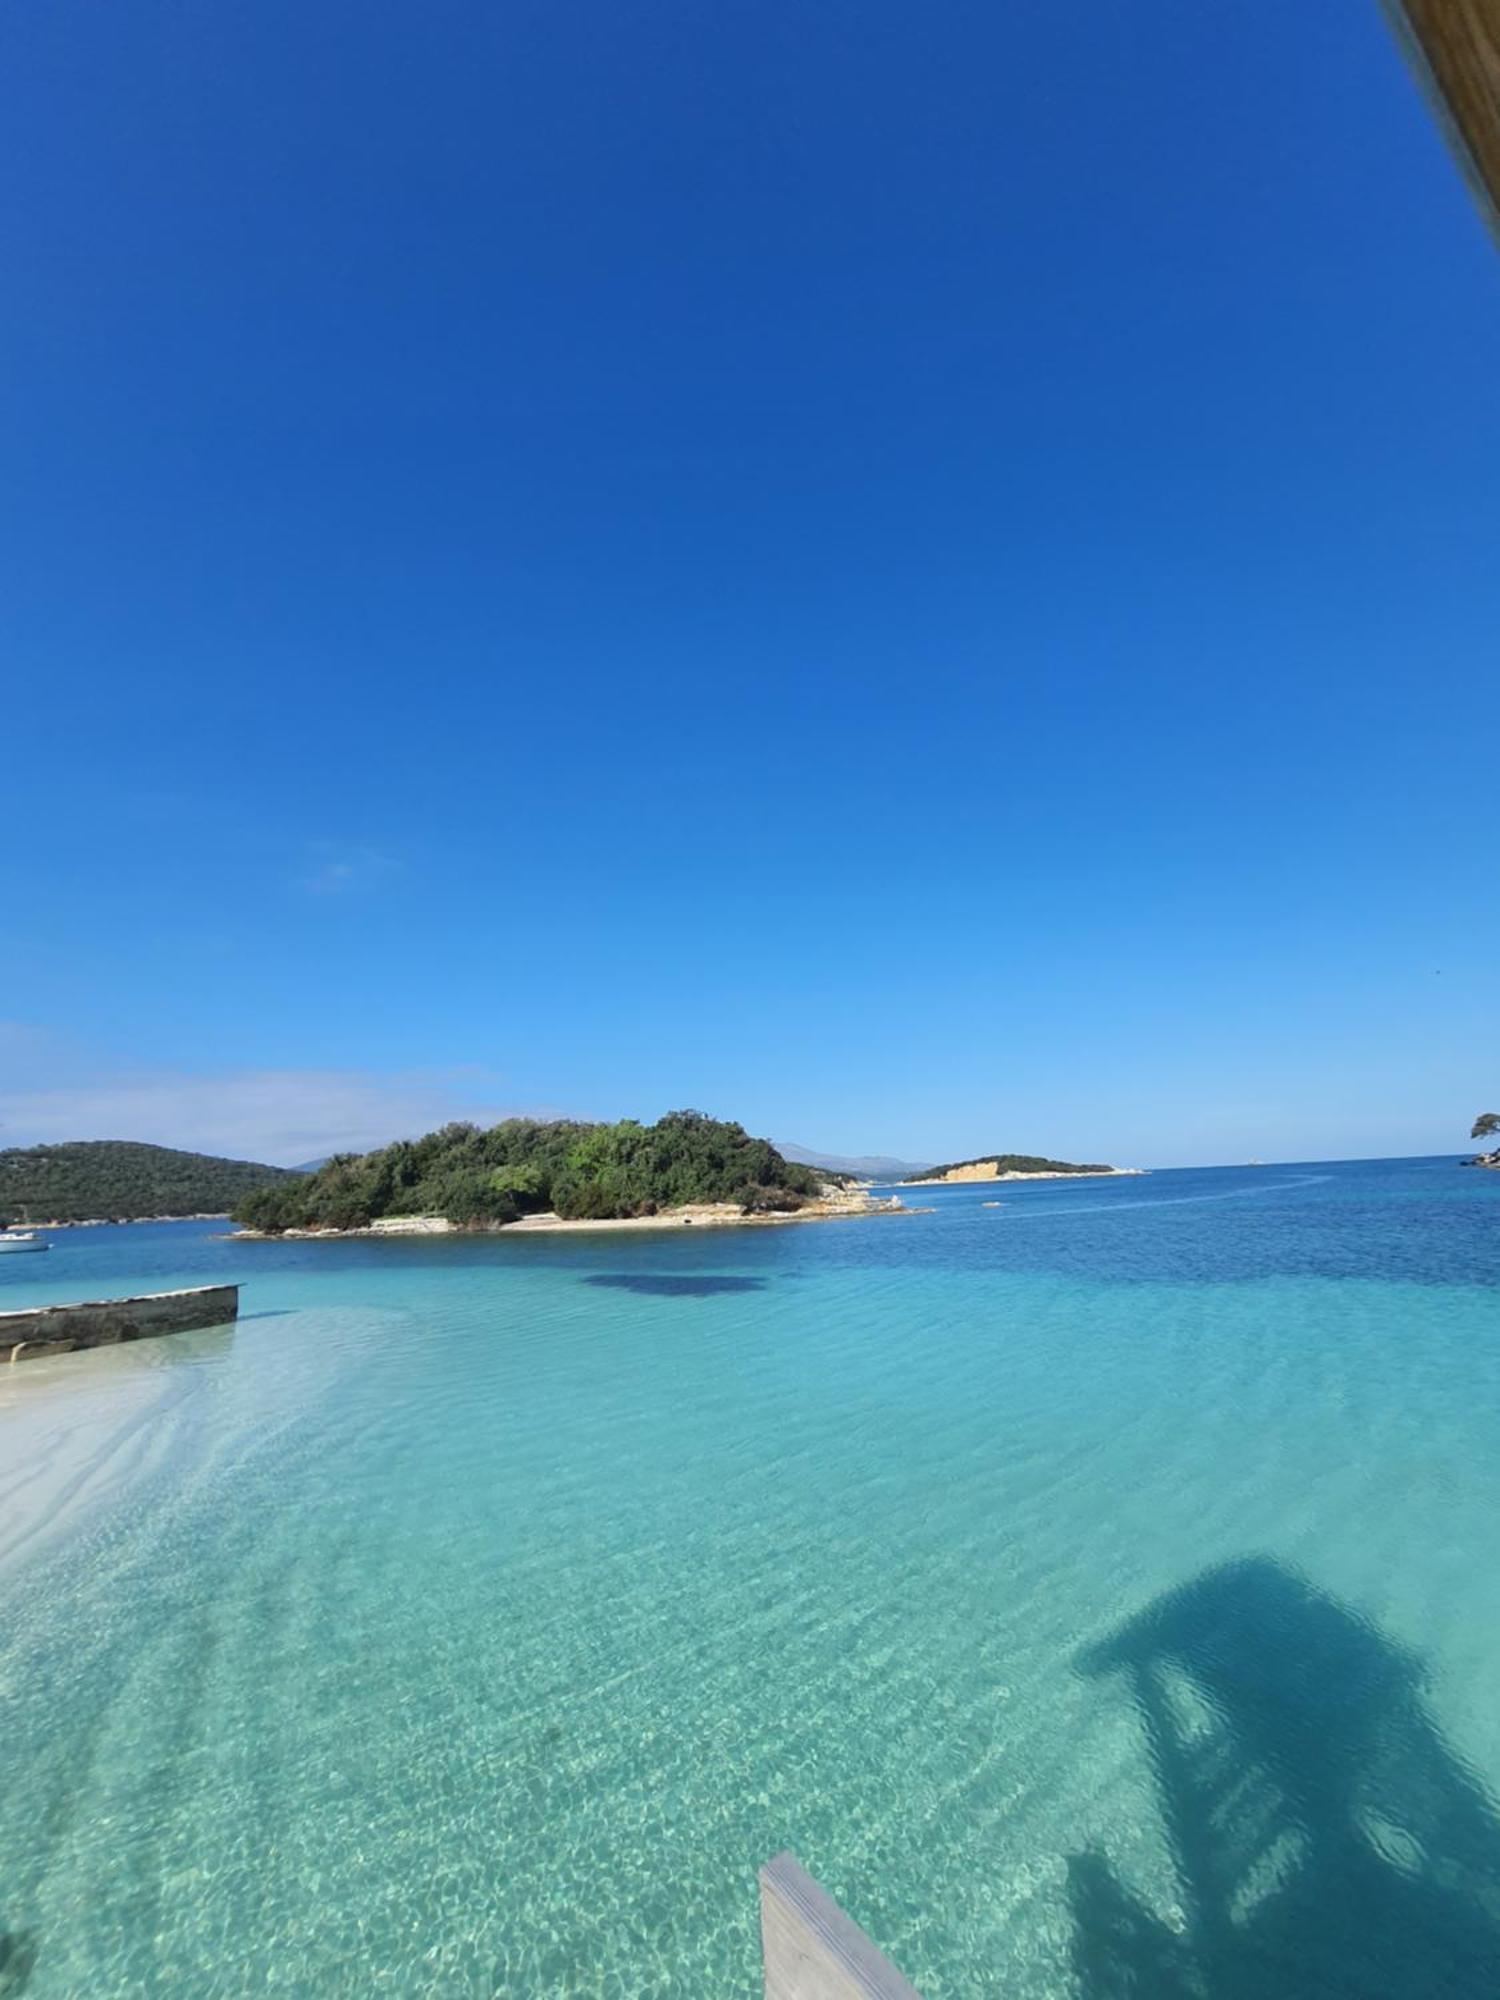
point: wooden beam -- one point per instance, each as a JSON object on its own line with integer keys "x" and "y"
{"x": 812, "y": 1951}
{"x": 38, "y": 1331}
{"x": 1454, "y": 48}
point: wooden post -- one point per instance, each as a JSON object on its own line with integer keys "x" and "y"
{"x": 1454, "y": 48}
{"x": 812, "y": 1951}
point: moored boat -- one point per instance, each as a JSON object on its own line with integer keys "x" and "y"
{"x": 22, "y": 1239}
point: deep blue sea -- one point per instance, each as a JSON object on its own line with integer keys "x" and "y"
{"x": 1100, "y": 1594}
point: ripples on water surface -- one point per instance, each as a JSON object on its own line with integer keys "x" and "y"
{"x": 1098, "y": 1594}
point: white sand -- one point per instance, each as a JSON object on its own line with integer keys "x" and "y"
{"x": 76, "y": 1429}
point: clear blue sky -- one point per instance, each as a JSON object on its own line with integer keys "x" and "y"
{"x": 927, "y": 578}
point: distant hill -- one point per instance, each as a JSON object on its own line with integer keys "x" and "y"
{"x": 1002, "y": 1166}
{"x": 864, "y": 1166}
{"x": 89, "y": 1180}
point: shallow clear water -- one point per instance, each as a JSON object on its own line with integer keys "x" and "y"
{"x": 1098, "y": 1594}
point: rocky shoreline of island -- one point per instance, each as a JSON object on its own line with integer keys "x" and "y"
{"x": 834, "y": 1204}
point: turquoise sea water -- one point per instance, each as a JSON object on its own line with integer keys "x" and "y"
{"x": 1099, "y": 1594}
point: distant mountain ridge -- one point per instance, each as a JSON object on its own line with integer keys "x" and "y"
{"x": 871, "y": 1166}
{"x": 122, "y": 1180}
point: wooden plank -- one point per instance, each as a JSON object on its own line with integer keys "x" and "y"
{"x": 812, "y": 1950}
{"x": 1454, "y": 48}
{"x": 43, "y": 1330}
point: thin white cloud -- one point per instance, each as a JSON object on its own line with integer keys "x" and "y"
{"x": 330, "y": 869}
{"x": 281, "y": 1116}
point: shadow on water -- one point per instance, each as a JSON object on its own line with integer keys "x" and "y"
{"x": 17, "y": 1957}
{"x": 661, "y": 1284}
{"x": 1326, "y": 1840}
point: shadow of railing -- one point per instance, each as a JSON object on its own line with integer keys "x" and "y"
{"x": 674, "y": 1285}
{"x": 17, "y": 1958}
{"x": 1326, "y": 1840}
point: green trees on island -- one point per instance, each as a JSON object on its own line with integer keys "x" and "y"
{"x": 1486, "y": 1125}
{"x": 478, "y": 1177}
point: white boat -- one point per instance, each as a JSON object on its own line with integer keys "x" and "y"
{"x": 22, "y": 1239}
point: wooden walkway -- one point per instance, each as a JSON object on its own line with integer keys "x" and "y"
{"x": 812, "y": 1951}
{"x": 1454, "y": 47}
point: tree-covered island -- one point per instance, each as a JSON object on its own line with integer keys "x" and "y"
{"x": 1008, "y": 1166}
{"x": 477, "y": 1178}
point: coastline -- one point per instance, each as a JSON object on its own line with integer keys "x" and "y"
{"x": 129, "y": 1221}
{"x": 830, "y": 1207}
